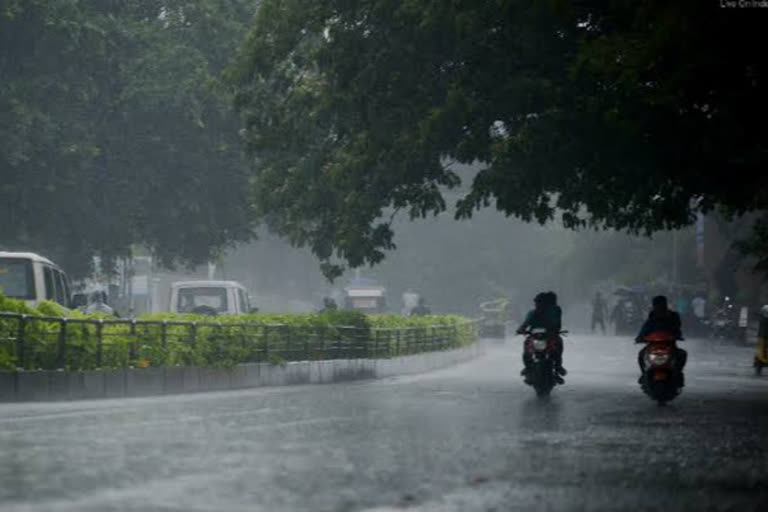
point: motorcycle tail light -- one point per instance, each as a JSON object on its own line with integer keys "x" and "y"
{"x": 660, "y": 337}
{"x": 657, "y": 358}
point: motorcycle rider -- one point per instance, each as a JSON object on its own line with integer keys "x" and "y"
{"x": 97, "y": 303}
{"x": 661, "y": 318}
{"x": 328, "y": 305}
{"x": 545, "y": 315}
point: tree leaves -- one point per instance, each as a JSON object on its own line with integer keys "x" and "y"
{"x": 626, "y": 115}
{"x": 119, "y": 131}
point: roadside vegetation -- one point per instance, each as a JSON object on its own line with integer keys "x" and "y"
{"x": 50, "y": 337}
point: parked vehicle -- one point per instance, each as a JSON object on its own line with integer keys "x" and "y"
{"x": 542, "y": 375}
{"x": 33, "y": 278}
{"x": 365, "y": 295}
{"x": 662, "y": 379}
{"x": 210, "y": 298}
{"x": 495, "y": 317}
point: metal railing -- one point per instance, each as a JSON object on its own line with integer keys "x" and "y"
{"x": 29, "y": 342}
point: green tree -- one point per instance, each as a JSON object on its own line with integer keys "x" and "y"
{"x": 116, "y": 130}
{"x": 623, "y": 114}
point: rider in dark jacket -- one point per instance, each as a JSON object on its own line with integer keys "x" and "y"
{"x": 661, "y": 318}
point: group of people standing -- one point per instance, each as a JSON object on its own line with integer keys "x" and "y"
{"x": 692, "y": 309}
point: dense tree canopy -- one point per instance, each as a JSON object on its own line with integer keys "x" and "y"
{"x": 623, "y": 114}
{"x": 114, "y": 129}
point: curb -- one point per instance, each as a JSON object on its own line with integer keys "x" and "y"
{"x": 46, "y": 386}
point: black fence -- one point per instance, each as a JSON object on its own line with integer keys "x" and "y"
{"x": 30, "y": 342}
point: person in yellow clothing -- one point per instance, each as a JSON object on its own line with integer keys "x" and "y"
{"x": 761, "y": 357}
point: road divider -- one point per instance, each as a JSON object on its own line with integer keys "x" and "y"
{"x": 52, "y": 385}
{"x": 45, "y": 357}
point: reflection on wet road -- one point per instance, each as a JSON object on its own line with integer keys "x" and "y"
{"x": 469, "y": 438}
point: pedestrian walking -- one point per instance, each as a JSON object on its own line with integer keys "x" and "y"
{"x": 599, "y": 312}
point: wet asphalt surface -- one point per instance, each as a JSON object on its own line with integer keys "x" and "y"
{"x": 467, "y": 438}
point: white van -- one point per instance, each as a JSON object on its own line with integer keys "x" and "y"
{"x": 33, "y": 278}
{"x": 365, "y": 295}
{"x": 209, "y": 298}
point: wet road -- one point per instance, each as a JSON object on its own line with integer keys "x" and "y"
{"x": 469, "y": 438}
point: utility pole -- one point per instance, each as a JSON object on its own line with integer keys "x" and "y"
{"x": 674, "y": 258}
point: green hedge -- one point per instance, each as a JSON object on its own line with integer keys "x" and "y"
{"x": 98, "y": 341}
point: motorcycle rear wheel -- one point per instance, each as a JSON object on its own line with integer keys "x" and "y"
{"x": 661, "y": 392}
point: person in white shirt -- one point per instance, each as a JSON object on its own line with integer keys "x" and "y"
{"x": 699, "y": 305}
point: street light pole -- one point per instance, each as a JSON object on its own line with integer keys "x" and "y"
{"x": 674, "y": 258}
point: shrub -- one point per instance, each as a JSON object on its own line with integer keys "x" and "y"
{"x": 166, "y": 339}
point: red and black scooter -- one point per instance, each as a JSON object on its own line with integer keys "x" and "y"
{"x": 540, "y": 347}
{"x": 662, "y": 379}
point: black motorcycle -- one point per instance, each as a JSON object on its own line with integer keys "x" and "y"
{"x": 540, "y": 347}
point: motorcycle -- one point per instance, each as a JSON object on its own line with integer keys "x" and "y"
{"x": 724, "y": 323}
{"x": 662, "y": 379}
{"x": 542, "y": 375}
